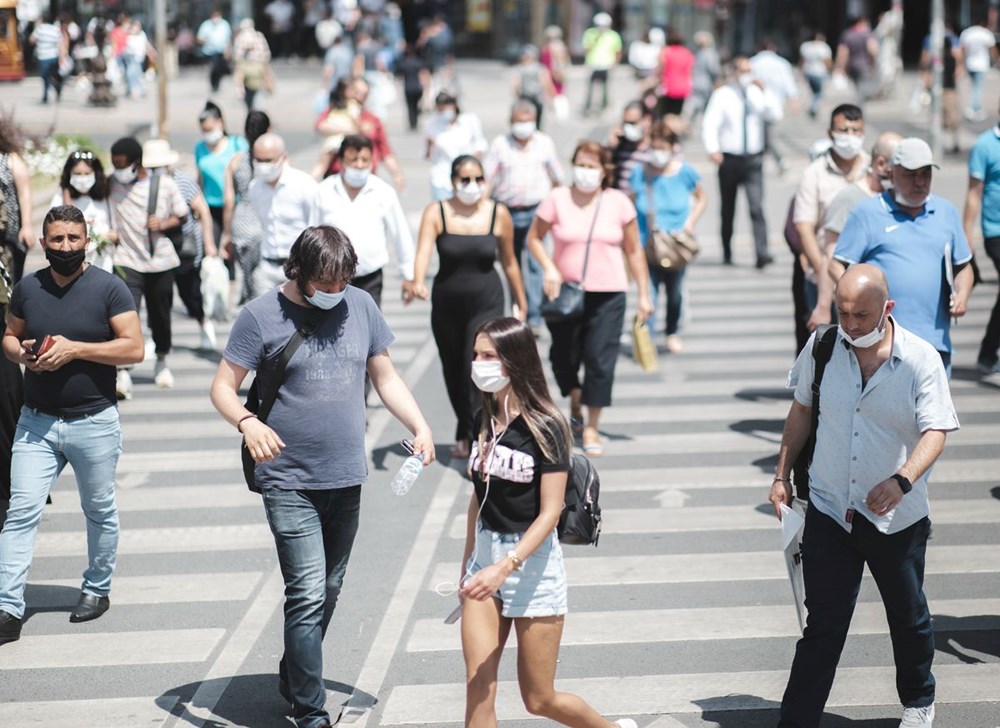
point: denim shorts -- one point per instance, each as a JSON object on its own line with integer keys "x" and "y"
{"x": 539, "y": 588}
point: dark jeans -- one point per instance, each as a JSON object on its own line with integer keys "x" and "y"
{"x": 217, "y": 68}
{"x": 598, "y": 75}
{"x": 746, "y": 171}
{"x": 314, "y": 532}
{"x": 188, "y": 280}
{"x": 833, "y": 564}
{"x": 413, "y": 107}
{"x": 159, "y": 291}
{"x": 593, "y": 341}
{"x": 991, "y": 340}
{"x": 372, "y": 285}
{"x": 48, "y": 70}
{"x": 531, "y": 270}
{"x": 673, "y": 282}
{"x": 816, "y": 87}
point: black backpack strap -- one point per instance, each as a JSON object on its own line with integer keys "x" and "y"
{"x": 826, "y": 339}
{"x": 154, "y": 191}
{"x": 302, "y": 333}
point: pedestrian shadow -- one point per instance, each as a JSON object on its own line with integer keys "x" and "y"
{"x": 213, "y": 357}
{"x": 248, "y": 700}
{"x": 760, "y": 394}
{"x": 46, "y": 598}
{"x": 995, "y": 492}
{"x": 961, "y": 636}
{"x": 751, "y": 711}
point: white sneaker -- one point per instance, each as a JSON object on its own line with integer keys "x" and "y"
{"x": 123, "y": 385}
{"x": 626, "y": 723}
{"x": 208, "y": 340}
{"x": 150, "y": 350}
{"x": 918, "y": 717}
{"x": 162, "y": 375}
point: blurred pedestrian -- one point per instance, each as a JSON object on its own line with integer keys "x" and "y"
{"x": 704, "y": 75}
{"x": 522, "y": 167}
{"x": 281, "y": 16}
{"x": 590, "y": 222}
{"x": 338, "y": 120}
{"x": 733, "y": 132}
{"x": 338, "y": 61}
{"x": 555, "y": 57}
{"x": 51, "y": 48}
{"x": 15, "y": 187}
{"x": 215, "y": 36}
{"x": 674, "y": 75}
{"x": 242, "y": 231}
{"x": 952, "y": 67}
{"x": 252, "y": 63}
{"x": 857, "y": 52}
{"x": 531, "y": 81}
{"x": 668, "y": 192}
{"x": 628, "y": 143}
{"x": 371, "y": 126}
{"x": 644, "y": 54}
{"x": 889, "y": 36}
{"x": 603, "y": 48}
{"x": 416, "y": 81}
{"x": 513, "y": 574}
{"x": 816, "y": 60}
{"x": 979, "y": 50}
{"x": 470, "y": 232}
{"x": 138, "y": 52}
{"x": 778, "y": 76}
{"x": 84, "y": 185}
{"x": 450, "y": 134}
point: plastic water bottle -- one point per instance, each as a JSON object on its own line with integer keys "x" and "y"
{"x": 407, "y": 474}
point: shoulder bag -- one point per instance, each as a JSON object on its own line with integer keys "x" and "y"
{"x": 185, "y": 244}
{"x": 568, "y": 305}
{"x": 262, "y": 406}
{"x": 669, "y": 251}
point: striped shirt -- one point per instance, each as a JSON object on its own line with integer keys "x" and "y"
{"x": 522, "y": 176}
{"x": 129, "y": 205}
{"x": 47, "y": 37}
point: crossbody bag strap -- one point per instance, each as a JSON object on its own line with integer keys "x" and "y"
{"x": 154, "y": 191}
{"x": 826, "y": 340}
{"x": 590, "y": 235}
{"x": 650, "y": 207}
{"x": 302, "y": 333}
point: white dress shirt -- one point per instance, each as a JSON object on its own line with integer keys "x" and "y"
{"x": 723, "y": 125}
{"x": 284, "y": 210}
{"x": 371, "y": 221}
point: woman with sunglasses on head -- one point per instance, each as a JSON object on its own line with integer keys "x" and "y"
{"x": 591, "y": 227}
{"x": 513, "y": 574}
{"x": 84, "y": 186}
{"x": 468, "y": 230}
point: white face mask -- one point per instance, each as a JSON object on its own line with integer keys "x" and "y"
{"x": 870, "y": 339}
{"x": 326, "y": 301}
{"x": 354, "y": 177}
{"x": 448, "y": 115}
{"x": 523, "y": 129}
{"x": 126, "y": 176}
{"x": 586, "y": 179}
{"x": 266, "y": 171}
{"x": 633, "y": 132}
{"x": 745, "y": 79}
{"x": 212, "y": 137}
{"x": 469, "y": 194}
{"x": 82, "y": 183}
{"x": 488, "y": 376}
{"x": 848, "y": 146}
{"x": 906, "y": 202}
{"x": 660, "y": 157}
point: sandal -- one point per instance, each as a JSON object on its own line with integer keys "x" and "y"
{"x": 595, "y": 448}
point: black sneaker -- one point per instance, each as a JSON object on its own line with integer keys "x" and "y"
{"x": 10, "y": 628}
{"x": 764, "y": 261}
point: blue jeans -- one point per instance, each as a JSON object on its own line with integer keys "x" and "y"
{"x": 314, "y": 531}
{"x": 132, "y": 70}
{"x": 976, "y": 79}
{"x": 43, "y": 444}
{"x": 48, "y": 71}
{"x": 673, "y": 282}
{"x": 531, "y": 270}
{"x": 833, "y": 563}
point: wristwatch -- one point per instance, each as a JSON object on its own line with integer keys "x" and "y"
{"x": 904, "y": 483}
{"x": 518, "y": 561}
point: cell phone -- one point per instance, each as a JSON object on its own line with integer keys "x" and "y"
{"x": 408, "y": 446}
{"x": 40, "y": 346}
{"x": 456, "y": 614}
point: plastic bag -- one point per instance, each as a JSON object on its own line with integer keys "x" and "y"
{"x": 215, "y": 288}
{"x": 560, "y": 105}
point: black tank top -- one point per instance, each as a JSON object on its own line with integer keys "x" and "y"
{"x": 466, "y": 258}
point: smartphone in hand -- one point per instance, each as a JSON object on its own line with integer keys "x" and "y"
{"x": 40, "y": 346}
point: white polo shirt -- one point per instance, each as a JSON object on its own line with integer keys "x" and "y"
{"x": 284, "y": 210}
{"x": 866, "y": 434}
{"x": 372, "y": 220}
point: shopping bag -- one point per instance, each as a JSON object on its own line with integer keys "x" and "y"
{"x": 215, "y": 288}
{"x": 793, "y": 521}
{"x": 643, "y": 350}
{"x": 560, "y": 105}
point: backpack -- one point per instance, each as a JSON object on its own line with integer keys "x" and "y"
{"x": 822, "y": 351}
{"x": 580, "y": 521}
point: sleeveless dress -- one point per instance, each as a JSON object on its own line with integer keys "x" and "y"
{"x": 467, "y": 292}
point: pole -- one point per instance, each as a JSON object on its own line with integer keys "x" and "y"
{"x": 937, "y": 71}
{"x": 160, "y": 18}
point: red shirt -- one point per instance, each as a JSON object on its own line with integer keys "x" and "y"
{"x": 677, "y": 63}
{"x": 373, "y": 128}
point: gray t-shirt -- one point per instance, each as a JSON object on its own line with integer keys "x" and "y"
{"x": 840, "y": 206}
{"x": 320, "y": 410}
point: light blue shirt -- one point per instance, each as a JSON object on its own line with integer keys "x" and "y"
{"x": 984, "y": 165}
{"x": 671, "y": 198}
{"x": 215, "y": 36}
{"x": 911, "y": 252}
{"x": 867, "y": 433}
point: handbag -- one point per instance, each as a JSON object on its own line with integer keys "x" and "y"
{"x": 568, "y": 305}
{"x": 580, "y": 520}
{"x": 643, "y": 350}
{"x": 262, "y": 406}
{"x": 185, "y": 244}
{"x": 669, "y": 251}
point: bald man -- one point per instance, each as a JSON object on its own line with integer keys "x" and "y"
{"x": 283, "y": 197}
{"x": 886, "y": 409}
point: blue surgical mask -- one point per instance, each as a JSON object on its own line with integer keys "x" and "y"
{"x": 324, "y": 300}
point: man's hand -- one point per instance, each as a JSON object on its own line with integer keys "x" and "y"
{"x": 154, "y": 223}
{"x": 263, "y": 443}
{"x": 819, "y": 317}
{"x": 781, "y": 492}
{"x": 423, "y": 443}
{"x": 959, "y": 305}
{"x": 884, "y": 497}
{"x": 408, "y": 292}
{"x": 716, "y": 158}
{"x": 61, "y": 353}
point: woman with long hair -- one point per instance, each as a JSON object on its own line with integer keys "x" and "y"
{"x": 16, "y": 237}
{"x": 469, "y": 230}
{"x": 592, "y": 226}
{"x": 514, "y": 575}
{"x": 84, "y": 185}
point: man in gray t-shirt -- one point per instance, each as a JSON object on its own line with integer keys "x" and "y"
{"x": 310, "y": 455}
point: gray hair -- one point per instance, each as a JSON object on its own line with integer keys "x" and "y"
{"x": 524, "y": 106}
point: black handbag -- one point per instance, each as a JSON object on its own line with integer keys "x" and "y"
{"x": 262, "y": 407}
{"x": 568, "y": 305}
{"x": 184, "y": 244}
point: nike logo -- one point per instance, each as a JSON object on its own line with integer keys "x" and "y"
{"x": 890, "y": 228}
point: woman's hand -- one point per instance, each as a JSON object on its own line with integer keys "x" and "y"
{"x": 419, "y": 290}
{"x": 644, "y": 307}
{"x": 486, "y": 582}
{"x": 551, "y": 282}
{"x": 263, "y": 443}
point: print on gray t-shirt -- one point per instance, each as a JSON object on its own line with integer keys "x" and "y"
{"x": 320, "y": 410}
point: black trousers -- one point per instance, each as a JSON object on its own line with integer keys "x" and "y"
{"x": 218, "y": 67}
{"x": 188, "y": 280}
{"x": 592, "y": 341}
{"x": 748, "y": 172}
{"x": 158, "y": 288}
{"x": 991, "y": 339}
{"x": 413, "y": 107}
{"x": 217, "y": 215}
{"x": 598, "y": 75}
{"x": 833, "y": 562}
{"x": 371, "y": 284}
{"x": 17, "y": 255}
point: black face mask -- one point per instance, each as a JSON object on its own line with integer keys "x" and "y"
{"x": 65, "y": 262}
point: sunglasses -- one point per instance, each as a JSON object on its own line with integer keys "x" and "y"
{"x": 466, "y": 180}
{"x": 81, "y": 155}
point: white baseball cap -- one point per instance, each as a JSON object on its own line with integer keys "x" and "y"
{"x": 913, "y": 153}
{"x": 602, "y": 20}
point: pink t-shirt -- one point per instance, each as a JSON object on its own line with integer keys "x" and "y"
{"x": 677, "y": 62}
{"x": 570, "y": 225}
